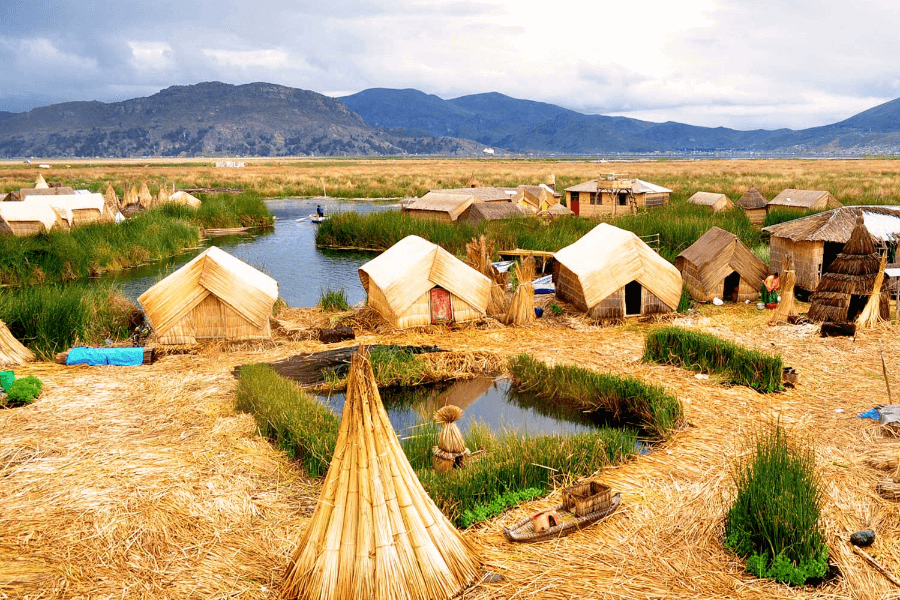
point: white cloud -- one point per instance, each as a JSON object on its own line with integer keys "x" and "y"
{"x": 245, "y": 59}
{"x": 151, "y": 56}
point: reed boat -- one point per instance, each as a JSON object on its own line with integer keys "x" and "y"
{"x": 583, "y": 505}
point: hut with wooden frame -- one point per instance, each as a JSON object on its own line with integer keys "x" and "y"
{"x": 28, "y": 218}
{"x": 490, "y": 211}
{"x": 439, "y": 206}
{"x": 719, "y": 265}
{"x": 713, "y": 200}
{"x": 754, "y": 205}
{"x": 815, "y": 240}
{"x": 846, "y": 287}
{"x": 611, "y": 273}
{"x": 536, "y": 198}
{"x": 12, "y": 352}
{"x": 375, "y": 533}
{"x": 415, "y": 283}
{"x": 214, "y": 296}
{"x": 804, "y": 200}
{"x": 614, "y": 195}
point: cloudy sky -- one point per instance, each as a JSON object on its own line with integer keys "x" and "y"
{"x": 744, "y": 64}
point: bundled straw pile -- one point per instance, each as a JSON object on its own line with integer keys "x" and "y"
{"x": 871, "y": 314}
{"x": 111, "y": 204}
{"x": 478, "y": 256}
{"x": 12, "y": 352}
{"x": 375, "y": 532}
{"x": 130, "y": 197}
{"x": 451, "y": 449}
{"x": 787, "y": 308}
{"x": 521, "y": 308}
{"x": 847, "y": 286}
{"x": 163, "y": 196}
{"x": 145, "y": 198}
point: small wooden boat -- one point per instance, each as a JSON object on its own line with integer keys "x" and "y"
{"x": 317, "y": 219}
{"x": 583, "y": 505}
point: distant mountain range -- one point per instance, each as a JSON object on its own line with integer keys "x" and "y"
{"x": 262, "y": 119}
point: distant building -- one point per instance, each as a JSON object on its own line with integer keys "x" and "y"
{"x": 754, "y": 205}
{"x": 613, "y": 195}
{"x": 713, "y": 200}
{"x": 439, "y": 206}
{"x": 804, "y": 200}
{"x": 536, "y": 198}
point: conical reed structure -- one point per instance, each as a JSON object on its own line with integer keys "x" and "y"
{"x": 40, "y": 182}
{"x": 478, "y": 256}
{"x": 130, "y": 196}
{"x": 845, "y": 289}
{"x": 110, "y": 204}
{"x": 521, "y": 308}
{"x": 375, "y": 533}
{"x": 787, "y": 308}
{"x": 162, "y": 197}
{"x": 451, "y": 448}
{"x": 12, "y": 352}
{"x": 871, "y": 314}
{"x": 145, "y": 198}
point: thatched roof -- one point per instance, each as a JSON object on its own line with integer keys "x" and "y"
{"x": 537, "y": 190}
{"x": 638, "y": 186}
{"x": 482, "y": 194}
{"x": 717, "y": 253}
{"x": 249, "y": 292}
{"x": 12, "y": 352}
{"x": 452, "y": 204}
{"x": 491, "y": 211}
{"x": 557, "y": 210}
{"x": 607, "y": 258}
{"x": 752, "y": 200}
{"x": 836, "y": 225}
{"x": 853, "y": 273}
{"x": 805, "y": 199}
{"x": 375, "y": 533}
{"x": 47, "y": 191}
{"x": 710, "y": 199}
{"x": 40, "y": 182}
{"x": 182, "y": 197}
{"x": 413, "y": 266}
{"x": 28, "y": 212}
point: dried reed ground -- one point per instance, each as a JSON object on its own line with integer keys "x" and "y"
{"x": 142, "y": 483}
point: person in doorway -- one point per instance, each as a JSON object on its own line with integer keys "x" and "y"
{"x": 769, "y": 291}
{"x": 320, "y": 211}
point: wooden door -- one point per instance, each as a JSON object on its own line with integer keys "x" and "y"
{"x": 441, "y": 306}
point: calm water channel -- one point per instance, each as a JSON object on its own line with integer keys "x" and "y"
{"x": 483, "y": 399}
{"x": 288, "y": 254}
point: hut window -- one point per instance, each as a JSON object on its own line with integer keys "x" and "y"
{"x": 594, "y": 198}
{"x": 623, "y": 198}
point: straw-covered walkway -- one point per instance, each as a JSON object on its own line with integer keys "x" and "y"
{"x": 142, "y": 482}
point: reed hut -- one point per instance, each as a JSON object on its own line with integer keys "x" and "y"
{"x": 754, "y": 205}
{"x": 182, "y": 197}
{"x": 12, "y": 352}
{"x": 536, "y": 198}
{"x": 214, "y": 296}
{"x": 451, "y": 451}
{"x": 712, "y": 200}
{"x": 25, "y": 193}
{"x": 415, "y": 283}
{"x": 439, "y": 206}
{"x": 815, "y": 240}
{"x": 851, "y": 279}
{"x": 85, "y": 207}
{"x": 804, "y": 200}
{"x": 611, "y": 273}
{"x": 375, "y": 533}
{"x": 557, "y": 210}
{"x": 490, "y": 211}
{"x": 719, "y": 265}
{"x": 614, "y": 195}
{"x": 28, "y": 218}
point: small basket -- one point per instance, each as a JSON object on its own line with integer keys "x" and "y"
{"x": 587, "y": 497}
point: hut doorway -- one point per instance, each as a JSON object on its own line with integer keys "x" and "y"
{"x": 829, "y": 253}
{"x": 441, "y": 306}
{"x": 732, "y": 287}
{"x": 632, "y": 299}
{"x": 857, "y": 304}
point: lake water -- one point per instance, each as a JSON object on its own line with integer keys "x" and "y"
{"x": 288, "y": 254}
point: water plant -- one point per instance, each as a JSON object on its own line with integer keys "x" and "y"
{"x": 333, "y": 299}
{"x": 497, "y": 506}
{"x": 774, "y": 522}
{"x": 710, "y": 354}
{"x": 648, "y": 406}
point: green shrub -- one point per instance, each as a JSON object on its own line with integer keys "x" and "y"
{"x": 555, "y": 308}
{"x": 699, "y": 351}
{"x": 684, "y": 303}
{"x": 333, "y": 300}
{"x": 497, "y": 506}
{"x": 648, "y": 406}
{"x": 774, "y": 522}
{"x": 24, "y": 391}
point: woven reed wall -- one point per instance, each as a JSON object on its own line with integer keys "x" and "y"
{"x": 569, "y": 289}
{"x": 654, "y": 200}
{"x": 180, "y": 333}
{"x": 808, "y": 258}
{"x": 419, "y": 313}
{"x": 83, "y": 216}
{"x": 757, "y": 216}
{"x": 652, "y": 305}
{"x": 379, "y": 302}
{"x": 431, "y": 215}
{"x": 23, "y": 228}
{"x": 611, "y": 307}
{"x": 691, "y": 277}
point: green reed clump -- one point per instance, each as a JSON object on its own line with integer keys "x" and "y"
{"x": 294, "y": 421}
{"x": 53, "y": 318}
{"x": 381, "y": 230}
{"x": 774, "y": 522}
{"x": 499, "y": 505}
{"x": 233, "y": 210}
{"x": 395, "y": 365}
{"x": 333, "y": 300}
{"x": 631, "y": 399}
{"x": 778, "y": 215}
{"x": 514, "y": 461}
{"x": 684, "y": 303}
{"x": 705, "y": 352}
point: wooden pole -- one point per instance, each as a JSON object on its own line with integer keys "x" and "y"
{"x": 878, "y": 567}
{"x": 884, "y": 370}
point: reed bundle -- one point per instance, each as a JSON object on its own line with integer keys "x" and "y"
{"x": 162, "y": 197}
{"x": 521, "y": 308}
{"x": 871, "y": 315}
{"x": 479, "y": 253}
{"x": 12, "y": 352}
{"x": 451, "y": 447}
{"x": 111, "y": 203}
{"x": 130, "y": 197}
{"x": 145, "y": 198}
{"x": 787, "y": 308}
{"x": 375, "y": 532}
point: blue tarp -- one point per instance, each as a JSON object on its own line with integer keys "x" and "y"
{"x": 123, "y": 357}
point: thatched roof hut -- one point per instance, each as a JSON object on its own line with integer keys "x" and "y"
{"x": 490, "y": 211}
{"x": 804, "y": 199}
{"x": 714, "y": 200}
{"x": 415, "y": 283}
{"x": 439, "y": 206}
{"x": 28, "y": 218}
{"x": 614, "y": 195}
{"x": 816, "y": 240}
{"x": 84, "y": 207}
{"x": 719, "y": 265}
{"x": 611, "y": 273}
{"x": 754, "y": 205}
{"x": 481, "y": 194}
{"x": 536, "y": 198}
{"x": 375, "y": 533}
{"x": 182, "y": 197}
{"x": 25, "y": 193}
{"x": 850, "y": 280}
{"x": 12, "y": 352}
{"x": 557, "y": 210}
{"x": 214, "y": 296}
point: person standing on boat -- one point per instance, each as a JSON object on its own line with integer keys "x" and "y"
{"x": 319, "y": 211}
